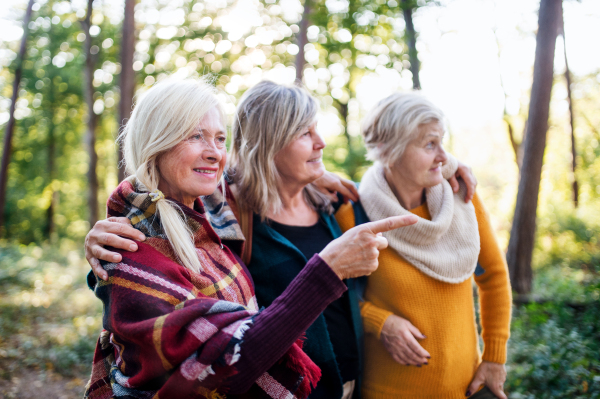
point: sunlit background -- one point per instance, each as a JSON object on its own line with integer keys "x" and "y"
{"x": 476, "y": 63}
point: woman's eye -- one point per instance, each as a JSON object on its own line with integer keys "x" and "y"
{"x": 196, "y": 137}
{"x": 221, "y": 139}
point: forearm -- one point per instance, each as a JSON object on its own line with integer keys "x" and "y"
{"x": 494, "y": 290}
{"x": 373, "y": 318}
{"x": 277, "y": 327}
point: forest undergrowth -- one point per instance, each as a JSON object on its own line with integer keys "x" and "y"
{"x": 50, "y": 320}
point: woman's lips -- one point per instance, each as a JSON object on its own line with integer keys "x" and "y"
{"x": 206, "y": 172}
{"x": 318, "y": 159}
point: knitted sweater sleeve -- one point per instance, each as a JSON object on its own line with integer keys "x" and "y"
{"x": 278, "y": 326}
{"x": 373, "y": 318}
{"x": 495, "y": 297}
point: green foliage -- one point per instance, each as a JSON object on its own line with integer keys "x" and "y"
{"x": 49, "y": 319}
{"x": 553, "y": 352}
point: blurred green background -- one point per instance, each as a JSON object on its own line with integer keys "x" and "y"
{"x": 476, "y": 61}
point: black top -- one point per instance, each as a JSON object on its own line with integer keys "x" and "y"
{"x": 311, "y": 240}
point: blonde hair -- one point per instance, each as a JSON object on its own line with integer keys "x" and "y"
{"x": 161, "y": 119}
{"x": 269, "y": 117}
{"x": 394, "y": 123}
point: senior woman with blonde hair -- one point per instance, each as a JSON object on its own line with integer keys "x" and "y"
{"x": 418, "y": 307}
{"x": 180, "y": 314}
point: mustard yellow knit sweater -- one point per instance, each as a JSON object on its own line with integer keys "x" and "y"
{"x": 443, "y": 312}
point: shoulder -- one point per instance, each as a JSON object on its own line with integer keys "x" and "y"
{"x": 480, "y": 209}
{"x": 345, "y": 217}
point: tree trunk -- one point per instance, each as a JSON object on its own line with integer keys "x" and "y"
{"x": 520, "y": 247}
{"x": 10, "y": 126}
{"x": 574, "y": 183}
{"x": 516, "y": 145}
{"x": 92, "y": 120}
{"x": 127, "y": 81}
{"x": 411, "y": 41}
{"x": 302, "y": 40}
{"x": 50, "y": 227}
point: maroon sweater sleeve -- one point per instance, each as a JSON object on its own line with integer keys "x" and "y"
{"x": 277, "y": 327}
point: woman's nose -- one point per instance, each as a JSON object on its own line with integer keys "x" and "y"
{"x": 442, "y": 156}
{"x": 212, "y": 154}
{"x": 318, "y": 143}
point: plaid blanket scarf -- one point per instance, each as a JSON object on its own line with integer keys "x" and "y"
{"x": 173, "y": 333}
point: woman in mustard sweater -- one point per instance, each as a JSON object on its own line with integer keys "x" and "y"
{"x": 418, "y": 312}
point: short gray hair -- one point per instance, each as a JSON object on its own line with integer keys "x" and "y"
{"x": 269, "y": 117}
{"x": 394, "y": 123}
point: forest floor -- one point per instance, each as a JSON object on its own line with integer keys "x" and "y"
{"x": 36, "y": 384}
{"x": 50, "y": 321}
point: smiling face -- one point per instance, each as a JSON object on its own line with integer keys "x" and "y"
{"x": 300, "y": 162}
{"x": 193, "y": 167}
{"x": 420, "y": 164}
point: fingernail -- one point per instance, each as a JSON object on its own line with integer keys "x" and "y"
{"x": 428, "y": 357}
{"x": 423, "y": 336}
{"x": 426, "y": 364}
{"x": 116, "y": 258}
{"x": 419, "y": 365}
{"x": 468, "y": 393}
{"x": 142, "y": 238}
{"x": 133, "y": 247}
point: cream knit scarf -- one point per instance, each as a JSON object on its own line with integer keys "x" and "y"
{"x": 445, "y": 248}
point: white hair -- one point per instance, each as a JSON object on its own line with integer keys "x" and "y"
{"x": 269, "y": 117}
{"x": 394, "y": 123}
{"x": 162, "y": 118}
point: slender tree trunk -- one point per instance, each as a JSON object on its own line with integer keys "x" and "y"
{"x": 127, "y": 81}
{"x": 10, "y": 126}
{"x": 302, "y": 40}
{"x": 520, "y": 247}
{"x": 516, "y": 146}
{"x": 92, "y": 120}
{"x": 50, "y": 228}
{"x": 411, "y": 41}
{"x": 574, "y": 183}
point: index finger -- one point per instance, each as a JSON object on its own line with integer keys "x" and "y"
{"x": 390, "y": 223}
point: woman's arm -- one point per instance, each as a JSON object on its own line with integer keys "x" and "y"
{"x": 495, "y": 303}
{"x": 277, "y": 327}
{"x": 398, "y": 335}
{"x": 162, "y": 329}
{"x": 494, "y": 289}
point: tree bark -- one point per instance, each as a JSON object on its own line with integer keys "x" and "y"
{"x": 520, "y": 247}
{"x": 411, "y": 41}
{"x": 92, "y": 119}
{"x": 10, "y": 126}
{"x": 50, "y": 227}
{"x": 127, "y": 81}
{"x": 574, "y": 183}
{"x": 302, "y": 40}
